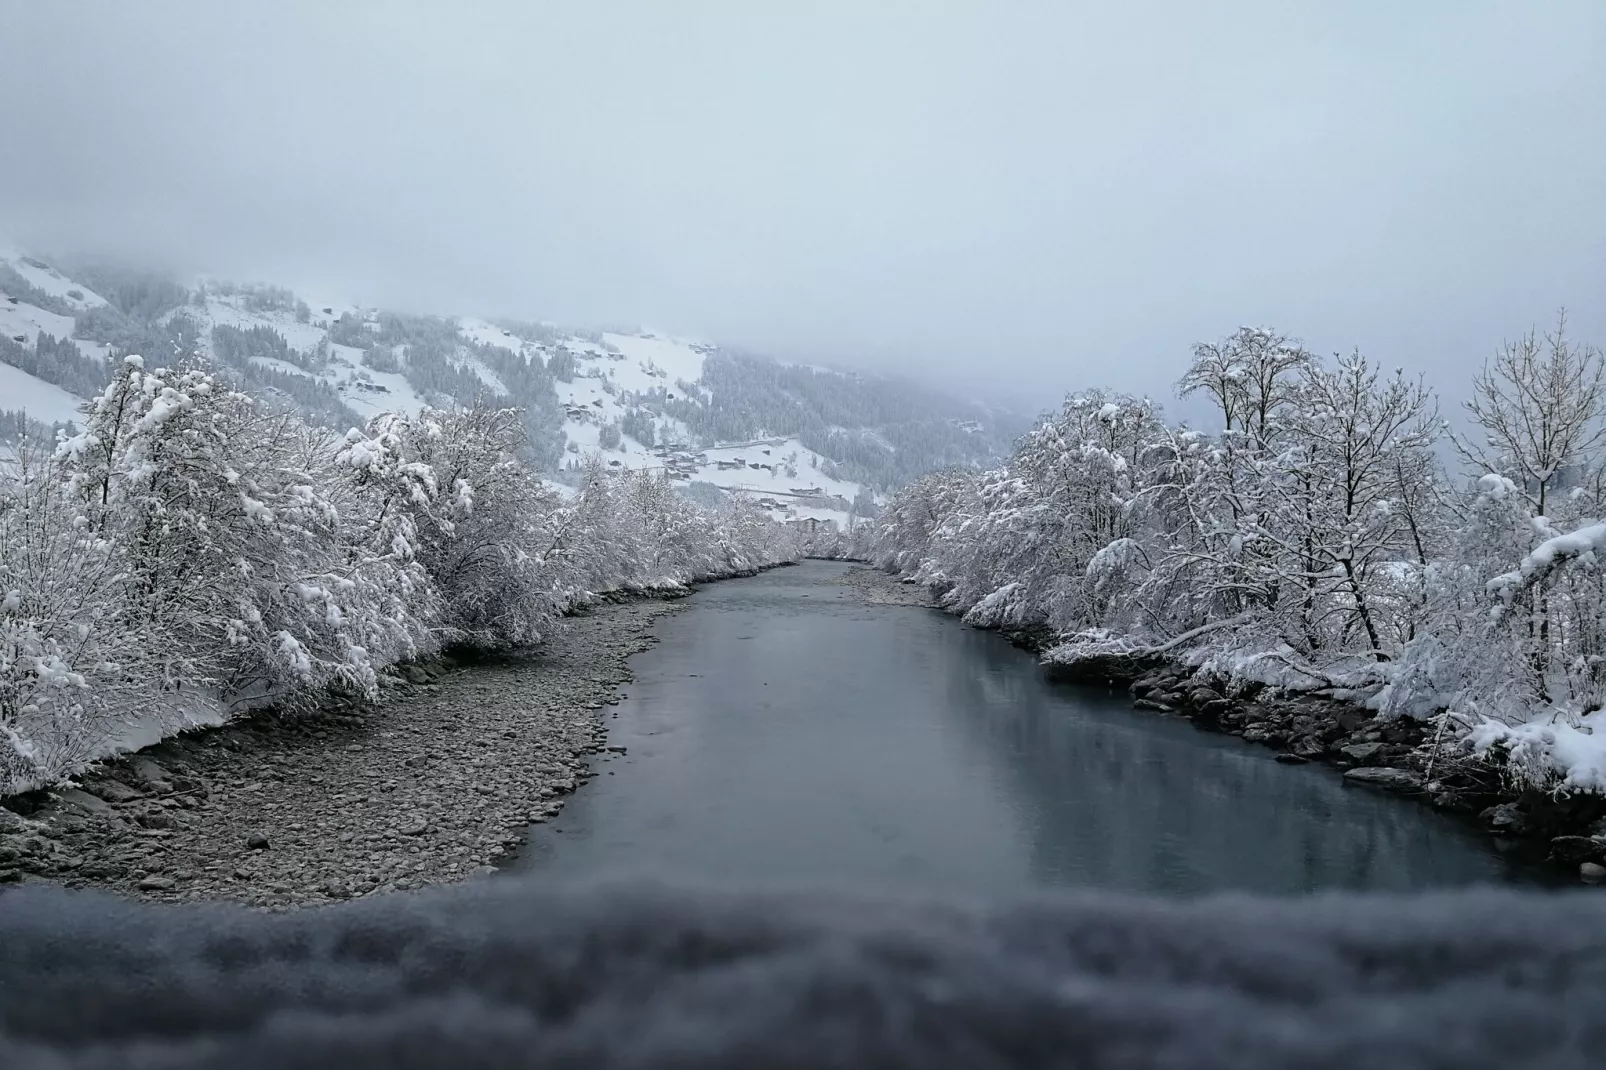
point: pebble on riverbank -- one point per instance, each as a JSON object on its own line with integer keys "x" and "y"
{"x": 433, "y": 784}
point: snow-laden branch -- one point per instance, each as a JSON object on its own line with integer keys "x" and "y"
{"x": 1543, "y": 560}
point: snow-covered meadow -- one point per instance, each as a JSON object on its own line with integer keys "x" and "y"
{"x": 1329, "y": 533}
{"x": 585, "y": 393}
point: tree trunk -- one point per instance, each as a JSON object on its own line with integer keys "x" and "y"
{"x": 1365, "y": 613}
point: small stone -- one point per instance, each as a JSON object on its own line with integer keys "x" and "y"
{"x": 114, "y": 791}
{"x": 83, "y": 802}
{"x": 256, "y": 842}
{"x": 1593, "y": 872}
{"x": 1289, "y": 758}
{"x": 1577, "y": 849}
{"x": 1360, "y": 752}
{"x": 1385, "y": 777}
{"x": 1506, "y": 817}
{"x": 1448, "y": 799}
{"x": 156, "y": 884}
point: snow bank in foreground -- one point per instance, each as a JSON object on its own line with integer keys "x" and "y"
{"x": 515, "y": 972}
{"x": 1548, "y": 749}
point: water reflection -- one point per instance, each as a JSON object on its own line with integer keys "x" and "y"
{"x": 783, "y": 731}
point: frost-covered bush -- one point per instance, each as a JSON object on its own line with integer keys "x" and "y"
{"x": 447, "y": 492}
{"x": 1312, "y": 539}
{"x": 192, "y": 552}
{"x": 216, "y": 509}
{"x": 633, "y": 531}
{"x": 78, "y": 658}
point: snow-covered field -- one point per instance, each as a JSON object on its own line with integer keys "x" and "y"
{"x": 614, "y": 374}
{"x": 43, "y": 401}
{"x": 51, "y": 281}
{"x": 22, "y": 322}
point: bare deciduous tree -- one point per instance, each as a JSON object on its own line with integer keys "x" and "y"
{"x": 1538, "y": 405}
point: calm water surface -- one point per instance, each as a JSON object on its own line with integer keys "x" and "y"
{"x": 784, "y": 731}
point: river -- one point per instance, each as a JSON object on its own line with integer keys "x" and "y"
{"x": 783, "y": 730}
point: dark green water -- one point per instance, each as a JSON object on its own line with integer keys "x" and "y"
{"x": 783, "y": 731}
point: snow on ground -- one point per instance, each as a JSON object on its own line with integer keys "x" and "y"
{"x": 784, "y": 496}
{"x": 93, "y": 350}
{"x": 380, "y": 392}
{"x": 603, "y": 390}
{"x": 227, "y": 310}
{"x": 1573, "y": 749}
{"x": 326, "y": 310}
{"x": 43, "y": 401}
{"x": 482, "y": 332}
{"x": 367, "y": 392}
{"x": 652, "y": 361}
{"x": 52, "y": 282}
{"x": 281, "y": 366}
{"x": 22, "y": 322}
{"x": 465, "y": 359}
{"x": 610, "y": 374}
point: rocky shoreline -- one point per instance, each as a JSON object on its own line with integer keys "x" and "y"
{"x": 441, "y": 778}
{"x": 1396, "y": 756}
{"x": 878, "y": 588}
{"x": 432, "y": 784}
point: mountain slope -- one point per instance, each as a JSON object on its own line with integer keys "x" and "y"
{"x": 806, "y": 442}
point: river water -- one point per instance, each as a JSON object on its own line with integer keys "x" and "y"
{"x": 785, "y": 731}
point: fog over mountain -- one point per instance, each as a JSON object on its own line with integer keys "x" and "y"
{"x": 1017, "y": 199}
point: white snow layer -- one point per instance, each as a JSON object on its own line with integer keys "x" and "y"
{"x": 1572, "y": 748}
{"x": 53, "y": 282}
{"x": 42, "y": 401}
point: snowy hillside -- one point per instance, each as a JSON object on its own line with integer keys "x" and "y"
{"x": 805, "y": 443}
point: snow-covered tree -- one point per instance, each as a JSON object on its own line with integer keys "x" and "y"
{"x": 192, "y": 551}
{"x": 1343, "y": 517}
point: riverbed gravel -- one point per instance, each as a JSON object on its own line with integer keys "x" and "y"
{"x": 880, "y": 589}
{"x": 432, "y": 784}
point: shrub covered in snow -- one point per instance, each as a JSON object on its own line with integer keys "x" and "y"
{"x": 1312, "y": 540}
{"x": 191, "y": 551}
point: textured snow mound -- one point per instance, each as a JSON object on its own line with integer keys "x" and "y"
{"x": 507, "y": 973}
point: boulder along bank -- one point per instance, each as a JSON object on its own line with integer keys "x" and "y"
{"x": 432, "y": 784}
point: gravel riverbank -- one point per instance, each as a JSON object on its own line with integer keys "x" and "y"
{"x": 431, "y": 785}
{"x": 877, "y": 588}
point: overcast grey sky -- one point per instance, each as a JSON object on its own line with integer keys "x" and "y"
{"x": 1049, "y": 195}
